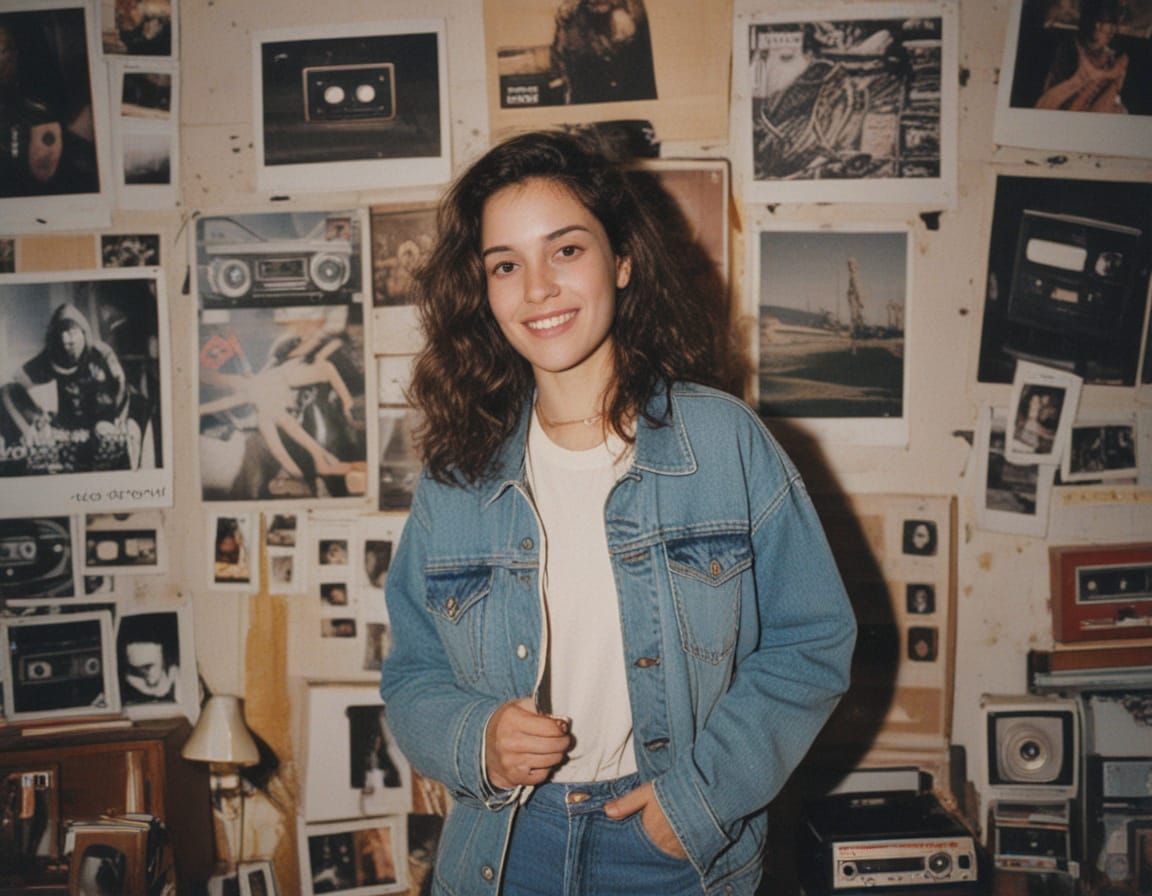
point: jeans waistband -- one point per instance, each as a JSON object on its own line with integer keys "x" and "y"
{"x": 581, "y": 798}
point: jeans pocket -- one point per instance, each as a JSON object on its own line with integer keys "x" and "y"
{"x": 636, "y": 823}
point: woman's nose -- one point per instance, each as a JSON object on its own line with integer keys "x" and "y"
{"x": 541, "y": 283}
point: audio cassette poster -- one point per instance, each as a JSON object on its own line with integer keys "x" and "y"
{"x": 85, "y": 410}
{"x": 848, "y": 105}
{"x": 1067, "y": 278}
{"x": 54, "y": 96}
{"x": 351, "y": 107}
{"x": 1077, "y": 76}
{"x": 567, "y": 62}
{"x": 59, "y": 666}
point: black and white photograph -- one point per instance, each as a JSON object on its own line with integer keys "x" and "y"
{"x": 156, "y": 663}
{"x": 919, "y": 537}
{"x": 129, "y": 250}
{"x": 377, "y": 558}
{"x": 84, "y": 409}
{"x": 919, "y": 599}
{"x": 832, "y": 309}
{"x": 599, "y": 51}
{"x": 54, "y": 109}
{"x": 578, "y": 62}
{"x": 257, "y": 879}
{"x": 352, "y": 106}
{"x": 271, "y": 259}
{"x": 1077, "y": 76}
{"x": 1067, "y": 279}
{"x": 402, "y": 237}
{"x": 353, "y": 766}
{"x": 139, "y": 27}
{"x": 1041, "y": 408}
{"x": 59, "y": 666}
{"x": 126, "y": 543}
{"x": 859, "y": 108}
{"x": 399, "y": 464}
{"x": 1101, "y": 449}
{"x": 282, "y": 403}
{"x": 355, "y": 858}
{"x": 38, "y": 562}
{"x": 233, "y": 550}
{"x": 1011, "y": 497}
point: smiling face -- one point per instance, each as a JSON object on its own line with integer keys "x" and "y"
{"x": 552, "y": 279}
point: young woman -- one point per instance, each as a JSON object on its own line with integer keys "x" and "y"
{"x": 617, "y": 624}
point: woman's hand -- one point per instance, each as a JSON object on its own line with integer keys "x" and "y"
{"x": 523, "y": 746}
{"x": 656, "y": 826}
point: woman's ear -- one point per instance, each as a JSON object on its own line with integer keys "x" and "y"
{"x": 623, "y": 271}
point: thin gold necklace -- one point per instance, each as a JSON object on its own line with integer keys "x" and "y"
{"x": 551, "y": 424}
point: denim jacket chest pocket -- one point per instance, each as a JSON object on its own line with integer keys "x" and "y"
{"x": 457, "y": 598}
{"x": 706, "y": 571}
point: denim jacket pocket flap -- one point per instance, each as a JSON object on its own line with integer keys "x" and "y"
{"x": 710, "y": 559}
{"x": 452, "y": 593}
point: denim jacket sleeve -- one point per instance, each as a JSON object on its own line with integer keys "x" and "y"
{"x": 785, "y": 686}
{"x": 439, "y": 726}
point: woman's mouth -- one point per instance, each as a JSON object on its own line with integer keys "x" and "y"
{"x": 550, "y": 323}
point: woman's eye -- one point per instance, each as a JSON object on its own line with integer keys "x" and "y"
{"x": 569, "y": 251}
{"x": 504, "y": 267}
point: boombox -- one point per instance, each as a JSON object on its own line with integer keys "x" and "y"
{"x": 1074, "y": 276}
{"x": 859, "y": 841}
{"x": 1032, "y": 747}
{"x": 1101, "y": 592}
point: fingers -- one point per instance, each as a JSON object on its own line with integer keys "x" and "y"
{"x": 522, "y": 746}
{"x": 633, "y": 801}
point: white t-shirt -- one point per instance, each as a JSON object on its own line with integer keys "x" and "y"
{"x": 586, "y": 647}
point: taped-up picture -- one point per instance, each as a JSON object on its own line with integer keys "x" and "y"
{"x": 82, "y": 402}
{"x": 282, "y": 403}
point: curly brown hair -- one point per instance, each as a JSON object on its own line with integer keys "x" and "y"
{"x": 471, "y": 385}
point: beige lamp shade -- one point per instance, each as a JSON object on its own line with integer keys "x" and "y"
{"x": 221, "y": 735}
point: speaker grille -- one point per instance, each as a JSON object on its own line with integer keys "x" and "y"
{"x": 1032, "y": 748}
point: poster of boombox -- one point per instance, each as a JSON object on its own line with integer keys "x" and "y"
{"x": 85, "y": 412}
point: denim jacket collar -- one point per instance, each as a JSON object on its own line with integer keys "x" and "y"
{"x": 663, "y": 448}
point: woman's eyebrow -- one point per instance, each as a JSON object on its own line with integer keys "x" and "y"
{"x": 555, "y": 234}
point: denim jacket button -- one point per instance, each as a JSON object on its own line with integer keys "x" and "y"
{"x": 527, "y": 544}
{"x": 487, "y": 873}
{"x": 715, "y": 568}
{"x": 647, "y": 662}
{"x": 522, "y": 651}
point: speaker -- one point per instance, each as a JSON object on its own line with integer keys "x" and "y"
{"x": 1032, "y": 747}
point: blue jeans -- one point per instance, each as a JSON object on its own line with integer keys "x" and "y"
{"x": 564, "y": 845}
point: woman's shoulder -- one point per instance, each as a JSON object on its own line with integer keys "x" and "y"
{"x": 697, "y": 399}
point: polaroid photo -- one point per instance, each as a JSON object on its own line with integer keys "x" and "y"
{"x": 833, "y": 312}
{"x": 146, "y": 28}
{"x": 85, "y": 418}
{"x": 130, "y": 543}
{"x": 1101, "y": 447}
{"x": 343, "y": 627}
{"x": 38, "y": 561}
{"x": 555, "y": 63}
{"x": 402, "y": 238}
{"x": 920, "y": 599}
{"x": 59, "y": 666}
{"x": 257, "y": 879}
{"x": 282, "y": 541}
{"x": 374, "y": 544}
{"x": 156, "y": 663}
{"x": 227, "y": 884}
{"x": 1067, "y": 278}
{"x": 377, "y": 645}
{"x": 399, "y": 464}
{"x": 349, "y": 107}
{"x": 1073, "y": 78}
{"x": 693, "y": 198}
{"x": 848, "y": 105}
{"x": 334, "y": 598}
{"x": 354, "y": 858}
{"x": 146, "y": 133}
{"x": 923, "y": 644}
{"x": 1042, "y": 407}
{"x": 353, "y": 767}
{"x": 282, "y": 403}
{"x": 274, "y": 259}
{"x": 129, "y": 250}
{"x": 59, "y": 172}
{"x": 1010, "y": 497}
{"x": 232, "y": 540}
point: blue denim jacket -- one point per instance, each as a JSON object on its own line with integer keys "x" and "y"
{"x": 737, "y": 633}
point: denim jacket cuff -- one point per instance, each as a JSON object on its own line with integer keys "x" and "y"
{"x": 469, "y": 753}
{"x": 691, "y": 818}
